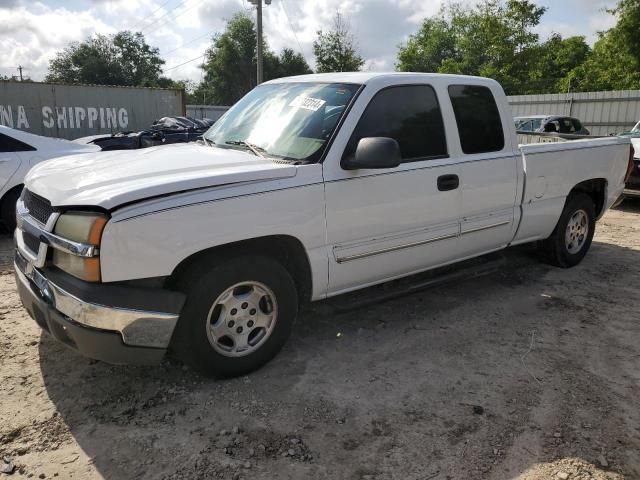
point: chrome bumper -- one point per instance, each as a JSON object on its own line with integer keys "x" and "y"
{"x": 137, "y": 328}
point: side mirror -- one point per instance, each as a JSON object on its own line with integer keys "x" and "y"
{"x": 374, "y": 152}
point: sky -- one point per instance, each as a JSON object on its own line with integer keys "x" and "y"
{"x": 32, "y": 31}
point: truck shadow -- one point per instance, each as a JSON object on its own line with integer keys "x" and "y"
{"x": 631, "y": 205}
{"x": 412, "y": 365}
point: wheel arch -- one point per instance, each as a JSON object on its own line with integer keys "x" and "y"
{"x": 7, "y": 196}
{"x": 286, "y": 249}
{"x": 18, "y": 186}
{"x": 596, "y": 188}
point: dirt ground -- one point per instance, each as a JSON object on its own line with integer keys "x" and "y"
{"x": 530, "y": 372}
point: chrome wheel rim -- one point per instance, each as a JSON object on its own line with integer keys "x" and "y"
{"x": 577, "y": 229}
{"x": 241, "y": 319}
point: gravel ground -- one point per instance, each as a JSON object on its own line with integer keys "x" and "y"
{"x": 529, "y": 372}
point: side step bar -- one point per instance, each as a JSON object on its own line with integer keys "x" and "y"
{"x": 456, "y": 273}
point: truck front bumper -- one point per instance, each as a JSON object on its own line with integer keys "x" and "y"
{"x": 97, "y": 326}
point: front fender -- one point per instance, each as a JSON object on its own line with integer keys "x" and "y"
{"x": 154, "y": 244}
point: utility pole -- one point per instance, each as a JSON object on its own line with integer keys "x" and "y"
{"x": 20, "y": 70}
{"x": 259, "y": 42}
{"x": 259, "y": 59}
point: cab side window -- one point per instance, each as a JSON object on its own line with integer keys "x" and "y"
{"x": 577, "y": 126}
{"x": 478, "y": 119}
{"x": 410, "y": 114}
{"x": 566, "y": 125}
{"x": 8, "y": 144}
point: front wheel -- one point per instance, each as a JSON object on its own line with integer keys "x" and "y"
{"x": 571, "y": 239}
{"x": 237, "y": 316}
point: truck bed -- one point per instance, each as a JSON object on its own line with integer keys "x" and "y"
{"x": 550, "y": 170}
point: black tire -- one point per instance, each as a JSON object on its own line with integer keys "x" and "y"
{"x": 8, "y": 208}
{"x": 203, "y": 287}
{"x": 555, "y": 248}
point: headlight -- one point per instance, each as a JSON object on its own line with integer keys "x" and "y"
{"x": 82, "y": 227}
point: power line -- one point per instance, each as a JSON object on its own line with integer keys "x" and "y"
{"x": 162, "y": 16}
{"x": 188, "y": 42}
{"x": 286, "y": 14}
{"x": 150, "y": 15}
{"x": 179, "y": 14}
{"x": 184, "y": 63}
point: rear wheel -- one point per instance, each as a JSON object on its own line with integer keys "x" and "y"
{"x": 237, "y": 316}
{"x": 571, "y": 239}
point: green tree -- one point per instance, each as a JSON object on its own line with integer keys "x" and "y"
{"x": 121, "y": 59}
{"x": 426, "y": 50}
{"x": 557, "y": 58}
{"x": 292, "y": 63}
{"x": 626, "y": 31}
{"x": 493, "y": 39}
{"x": 230, "y": 63}
{"x": 614, "y": 63}
{"x": 335, "y": 51}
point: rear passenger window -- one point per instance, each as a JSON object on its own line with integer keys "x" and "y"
{"x": 478, "y": 119}
{"x": 410, "y": 115}
{"x": 8, "y": 144}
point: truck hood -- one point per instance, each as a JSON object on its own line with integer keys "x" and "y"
{"x": 110, "y": 179}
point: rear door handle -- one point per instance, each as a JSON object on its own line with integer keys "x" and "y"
{"x": 448, "y": 182}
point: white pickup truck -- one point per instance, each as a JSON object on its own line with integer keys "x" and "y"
{"x": 307, "y": 188}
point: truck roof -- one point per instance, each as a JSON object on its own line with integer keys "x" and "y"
{"x": 364, "y": 77}
{"x": 522, "y": 117}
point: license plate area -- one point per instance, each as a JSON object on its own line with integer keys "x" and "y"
{"x": 37, "y": 280}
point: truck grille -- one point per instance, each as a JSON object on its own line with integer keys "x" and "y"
{"x": 38, "y": 207}
{"x": 31, "y": 242}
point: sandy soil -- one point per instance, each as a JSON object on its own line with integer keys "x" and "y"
{"x": 530, "y": 372}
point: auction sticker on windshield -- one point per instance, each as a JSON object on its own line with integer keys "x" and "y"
{"x": 308, "y": 103}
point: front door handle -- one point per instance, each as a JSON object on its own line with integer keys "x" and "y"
{"x": 448, "y": 182}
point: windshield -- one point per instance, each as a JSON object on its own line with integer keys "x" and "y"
{"x": 285, "y": 120}
{"x": 528, "y": 124}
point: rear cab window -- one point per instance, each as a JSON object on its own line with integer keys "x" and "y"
{"x": 410, "y": 114}
{"x": 478, "y": 119}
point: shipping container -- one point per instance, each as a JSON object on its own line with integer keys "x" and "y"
{"x": 73, "y": 111}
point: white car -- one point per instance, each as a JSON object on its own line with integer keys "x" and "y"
{"x": 308, "y": 187}
{"x": 19, "y": 151}
{"x": 633, "y": 182}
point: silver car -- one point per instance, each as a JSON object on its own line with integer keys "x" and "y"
{"x": 550, "y": 124}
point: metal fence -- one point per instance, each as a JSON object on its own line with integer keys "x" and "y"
{"x": 214, "y": 112}
{"x": 601, "y": 112}
{"x": 73, "y": 111}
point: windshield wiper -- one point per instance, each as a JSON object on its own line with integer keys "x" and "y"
{"x": 207, "y": 142}
{"x": 254, "y": 148}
